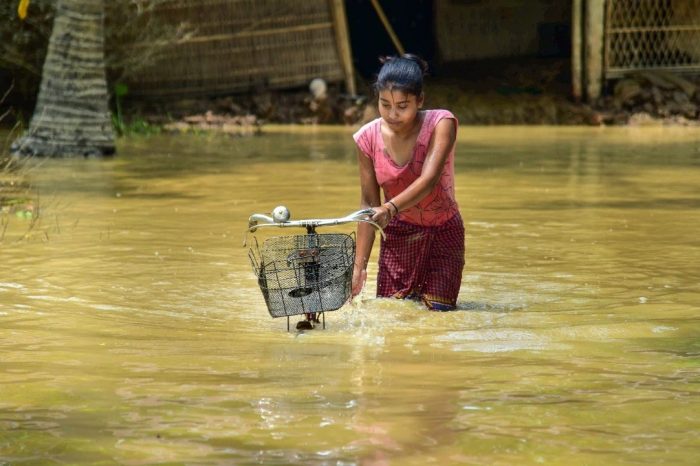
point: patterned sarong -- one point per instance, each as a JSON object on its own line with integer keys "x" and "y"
{"x": 425, "y": 263}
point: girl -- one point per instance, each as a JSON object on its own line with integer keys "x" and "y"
{"x": 409, "y": 152}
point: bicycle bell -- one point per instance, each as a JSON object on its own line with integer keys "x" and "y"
{"x": 280, "y": 214}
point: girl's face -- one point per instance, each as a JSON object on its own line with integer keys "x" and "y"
{"x": 399, "y": 109}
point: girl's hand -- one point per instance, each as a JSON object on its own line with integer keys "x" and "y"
{"x": 359, "y": 277}
{"x": 382, "y": 215}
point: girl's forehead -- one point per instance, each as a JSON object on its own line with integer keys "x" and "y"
{"x": 395, "y": 95}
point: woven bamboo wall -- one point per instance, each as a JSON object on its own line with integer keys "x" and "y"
{"x": 243, "y": 44}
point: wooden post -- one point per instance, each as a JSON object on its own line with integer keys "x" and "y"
{"x": 576, "y": 49}
{"x": 595, "y": 30}
{"x": 342, "y": 41}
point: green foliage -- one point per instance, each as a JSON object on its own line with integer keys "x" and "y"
{"x": 141, "y": 126}
{"x": 135, "y": 126}
{"x": 120, "y": 90}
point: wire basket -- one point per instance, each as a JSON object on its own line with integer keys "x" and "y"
{"x": 300, "y": 274}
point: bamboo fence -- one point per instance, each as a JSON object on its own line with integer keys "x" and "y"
{"x": 242, "y": 45}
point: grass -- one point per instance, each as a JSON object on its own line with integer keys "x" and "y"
{"x": 19, "y": 201}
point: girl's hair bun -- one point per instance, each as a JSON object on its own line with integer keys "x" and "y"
{"x": 422, "y": 64}
{"x": 405, "y": 73}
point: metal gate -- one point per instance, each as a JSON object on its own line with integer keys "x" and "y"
{"x": 652, "y": 34}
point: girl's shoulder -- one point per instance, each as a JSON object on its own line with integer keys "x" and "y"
{"x": 431, "y": 119}
{"x": 366, "y": 136}
{"x": 369, "y": 127}
{"x": 434, "y": 116}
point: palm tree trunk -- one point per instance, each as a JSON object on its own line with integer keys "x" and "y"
{"x": 72, "y": 110}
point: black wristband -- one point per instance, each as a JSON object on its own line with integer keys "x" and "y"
{"x": 394, "y": 206}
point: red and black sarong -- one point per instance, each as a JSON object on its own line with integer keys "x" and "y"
{"x": 422, "y": 262}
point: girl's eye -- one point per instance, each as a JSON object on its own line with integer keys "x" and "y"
{"x": 403, "y": 107}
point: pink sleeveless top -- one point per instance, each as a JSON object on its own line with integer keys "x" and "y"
{"x": 437, "y": 207}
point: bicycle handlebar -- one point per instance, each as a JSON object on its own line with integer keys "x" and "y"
{"x": 256, "y": 221}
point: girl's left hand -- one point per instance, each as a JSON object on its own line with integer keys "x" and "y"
{"x": 382, "y": 215}
{"x": 359, "y": 277}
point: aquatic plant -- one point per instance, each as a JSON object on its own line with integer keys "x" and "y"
{"x": 135, "y": 125}
{"x": 18, "y": 199}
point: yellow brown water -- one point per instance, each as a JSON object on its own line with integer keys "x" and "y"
{"x": 132, "y": 330}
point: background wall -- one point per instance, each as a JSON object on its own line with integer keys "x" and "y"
{"x": 478, "y": 29}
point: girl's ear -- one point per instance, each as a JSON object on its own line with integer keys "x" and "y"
{"x": 420, "y": 100}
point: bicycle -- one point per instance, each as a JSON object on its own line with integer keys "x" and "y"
{"x": 307, "y": 274}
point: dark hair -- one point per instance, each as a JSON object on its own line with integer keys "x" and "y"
{"x": 404, "y": 73}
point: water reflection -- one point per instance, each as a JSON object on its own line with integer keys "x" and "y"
{"x": 133, "y": 331}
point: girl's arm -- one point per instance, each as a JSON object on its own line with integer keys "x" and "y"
{"x": 441, "y": 145}
{"x": 369, "y": 197}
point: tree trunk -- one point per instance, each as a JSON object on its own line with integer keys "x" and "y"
{"x": 72, "y": 111}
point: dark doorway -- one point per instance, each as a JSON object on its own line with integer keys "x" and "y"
{"x": 412, "y": 21}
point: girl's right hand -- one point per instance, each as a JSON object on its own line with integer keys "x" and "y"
{"x": 359, "y": 277}
{"x": 382, "y": 215}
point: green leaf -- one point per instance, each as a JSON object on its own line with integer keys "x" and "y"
{"x": 121, "y": 89}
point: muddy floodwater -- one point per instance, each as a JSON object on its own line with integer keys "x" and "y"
{"x": 133, "y": 331}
